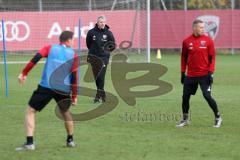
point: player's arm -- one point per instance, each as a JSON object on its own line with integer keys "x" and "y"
{"x": 211, "y": 56}
{"x": 88, "y": 40}
{"x": 184, "y": 58}
{"x": 40, "y": 54}
{"x": 74, "y": 79}
{"x": 112, "y": 44}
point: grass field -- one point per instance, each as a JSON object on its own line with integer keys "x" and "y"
{"x": 117, "y": 136}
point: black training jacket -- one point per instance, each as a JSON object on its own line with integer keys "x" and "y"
{"x": 100, "y": 42}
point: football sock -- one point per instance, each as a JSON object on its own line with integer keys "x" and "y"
{"x": 185, "y": 106}
{"x": 29, "y": 140}
{"x": 69, "y": 138}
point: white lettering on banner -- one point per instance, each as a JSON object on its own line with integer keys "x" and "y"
{"x": 85, "y": 29}
{"x": 14, "y": 28}
{"x": 56, "y": 30}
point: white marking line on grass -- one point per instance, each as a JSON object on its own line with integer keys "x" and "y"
{"x": 19, "y": 62}
{"x": 42, "y": 62}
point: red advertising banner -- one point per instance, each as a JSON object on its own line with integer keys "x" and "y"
{"x": 33, "y": 30}
{"x": 169, "y": 28}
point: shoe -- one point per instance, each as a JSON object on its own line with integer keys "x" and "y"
{"x": 26, "y": 147}
{"x": 71, "y": 144}
{"x": 102, "y": 96}
{"x": 218, "y": 122}
{"x": 183, "y": 123}
{"x": 103, "y": 99}
{"x": 96, "y": 100}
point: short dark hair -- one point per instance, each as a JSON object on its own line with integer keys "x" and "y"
{"x": 196, "y": 21}
{"x": 66, "y": 35}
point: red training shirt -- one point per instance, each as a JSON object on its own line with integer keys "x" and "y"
{"x": 198, "y": 56}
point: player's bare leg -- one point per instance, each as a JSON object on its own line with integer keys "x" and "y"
{"x": 29, "y": 127}
{"x": 30, "y": 121}
{"x": 69, "y": 127}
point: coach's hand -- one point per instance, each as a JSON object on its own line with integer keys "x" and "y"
{"x": 74, "y": 101}
{"x": 210, "y": 77}
{"x": 183, "y": 76}
{"x": 22, "y": 78}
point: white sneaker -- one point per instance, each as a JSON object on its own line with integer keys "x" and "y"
{"x": 183, "y": 123}
{"x": 71, "y": 144}
{"x": 218, "y": 122}
{"x": 26, "y": 147}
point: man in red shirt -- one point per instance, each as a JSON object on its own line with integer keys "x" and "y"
{"x": 198, "y": 61}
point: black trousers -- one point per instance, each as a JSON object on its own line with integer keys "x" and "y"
{"x": 99, "y": 72}
{"x": 190, "y": 87}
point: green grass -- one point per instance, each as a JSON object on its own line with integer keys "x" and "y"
{"x": 114, "y": 137}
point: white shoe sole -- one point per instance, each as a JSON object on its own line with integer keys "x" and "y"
{"x": 219, "y": 125}
{"x": 25, "y": 148}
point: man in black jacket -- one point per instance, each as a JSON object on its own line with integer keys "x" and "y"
{"x": 100, "y": 42}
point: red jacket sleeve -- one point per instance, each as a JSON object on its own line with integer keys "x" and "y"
{"x": 75, "y": 76}
{"x": 184, "y": 57}
{"x": 41, "y": 53}
{"x": 45, "y": 51}
{"x": 211, "y": 56}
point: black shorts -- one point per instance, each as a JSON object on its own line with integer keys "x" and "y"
{"x": 42, "y": 96}
{"x": 190, "y": 85}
